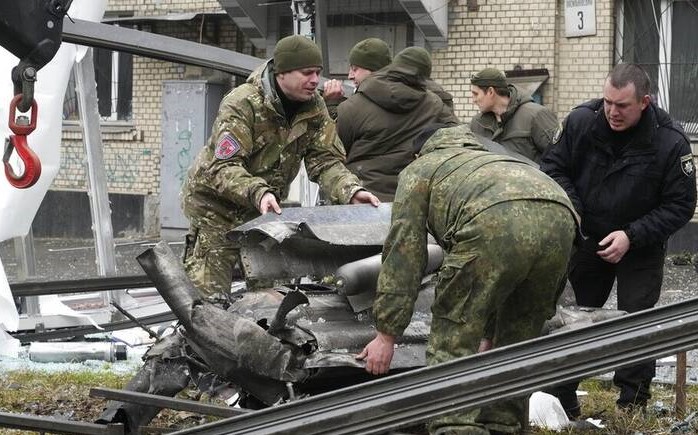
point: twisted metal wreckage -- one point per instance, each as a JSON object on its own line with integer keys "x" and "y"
{"x": 281, "y": 343}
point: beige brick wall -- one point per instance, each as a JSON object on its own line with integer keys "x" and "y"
{"x": 501, "y": 34}
{"x": 159, "y": 7}
{"x": 584, "y": 62}
{"x": 505, "y": 34}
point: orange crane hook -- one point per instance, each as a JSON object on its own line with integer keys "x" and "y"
{"x": 21, "y": 127}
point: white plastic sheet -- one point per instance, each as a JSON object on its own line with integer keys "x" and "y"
{"x": 19, "y": 206}
{"x": 545, "y": 410}
{"x": 9, "y": 346}
{"x": 9, "y": 319}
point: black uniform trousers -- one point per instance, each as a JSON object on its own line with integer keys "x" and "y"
{"x": 639, "y": 280}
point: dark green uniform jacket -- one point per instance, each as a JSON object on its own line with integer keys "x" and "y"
{"x": 378, "y": 124}
{"x": 254, "y": 150}
{"x": 445, "y": 96}
{"x": 452, "y": 181}
{"x": 527, "y": 127}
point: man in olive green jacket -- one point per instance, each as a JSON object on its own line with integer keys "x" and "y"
{"x": 509, "y": 116}
{"x": 378, "y": 124}
{"x": 506, "y": 230}
{"x": 365, "y": 57}
{"x": 264, "y": 129}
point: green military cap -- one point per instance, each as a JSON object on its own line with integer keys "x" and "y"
{"x": 416, "y": 59}
{"x": 296, "y": 52}
{"x": 371, "y": 54}
{"x": 489, "y": 77}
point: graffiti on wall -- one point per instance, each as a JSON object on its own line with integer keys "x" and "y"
{"x": 184, "y": 154}
{"x": 121, "y": 170}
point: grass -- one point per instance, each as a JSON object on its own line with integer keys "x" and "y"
{"x": 600, "y": 403}
{"x": 66, "y": 395}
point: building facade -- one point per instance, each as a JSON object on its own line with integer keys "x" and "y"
{"x": 559, "y": 49}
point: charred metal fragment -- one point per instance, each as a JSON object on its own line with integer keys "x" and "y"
{"x": 145, "y": 399}
{"x": 574, "y": 317}
{"x": 162, "y": 373}
{"x": 310, "y": 241}
{"x": 358, "y": 280}
{"x": 244, "y": 354}
{"x": 290, "y": 301}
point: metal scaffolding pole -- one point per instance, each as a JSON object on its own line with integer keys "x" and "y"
{"x": 97, "y": 179}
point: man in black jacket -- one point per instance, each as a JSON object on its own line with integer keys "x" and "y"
{"x": 629, "y": 171}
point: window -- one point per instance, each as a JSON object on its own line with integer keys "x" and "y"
{"x": 114, "y": 77}
{"x": 660, "y": 36}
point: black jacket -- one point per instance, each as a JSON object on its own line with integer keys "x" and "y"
{"x": 646, "y": 188}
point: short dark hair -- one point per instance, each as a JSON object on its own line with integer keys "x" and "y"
{"x": 502, "y": 92}
{"x": 626, "y": 73}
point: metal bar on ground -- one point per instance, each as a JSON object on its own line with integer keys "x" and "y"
{"x": 680, "y": 387}
{"x": 135, "y": 320}
{"x": 78, "y": 331}
{"x": 464, "y": 383}
{"x": 25, "y": 289}
{"x": 166, "y": 402}
{"x": 53, "y": 425}
{"x": 157, "y": 46}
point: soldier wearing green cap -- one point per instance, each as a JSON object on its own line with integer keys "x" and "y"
{"x": 365, "y": 57}
{"x": 379, "y": 122}
{"x": 509, "y": 116}
{"x": 506, "y": 230}
{"x": 263, "y": 130}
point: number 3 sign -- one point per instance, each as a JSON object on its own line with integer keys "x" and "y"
{"x": 580, "y": 18}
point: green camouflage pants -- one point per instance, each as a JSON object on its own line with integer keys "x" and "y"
{"x": 508, "y": 264}
{"x": 209, "y": 259}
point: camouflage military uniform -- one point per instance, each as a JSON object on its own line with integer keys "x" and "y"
{"x": 253, "y": 150}
{"x": 507, "y": 232}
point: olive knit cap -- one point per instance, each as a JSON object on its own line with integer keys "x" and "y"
{"x": 489, "y": 77}
{"x": 296, "y": 52}
{"x": 416, "y": 59}
{"x": 371, "y": 54}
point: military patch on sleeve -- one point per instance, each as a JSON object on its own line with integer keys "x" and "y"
{"x": 558, "y": 133}
{"x": 687, "y": 165}
{"x": 227, "y": 147}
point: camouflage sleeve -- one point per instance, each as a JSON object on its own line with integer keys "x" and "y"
{"x": 325, "y": 164}
{"x": 543, "y": 128}
{"x": 232, "y": 141}
{"x": 404, "y": 253}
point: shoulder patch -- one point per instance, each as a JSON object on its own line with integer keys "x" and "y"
{"x": 558, "y": 132}
{"x": 687, "y": 165}
{"x": 227, "y": 147}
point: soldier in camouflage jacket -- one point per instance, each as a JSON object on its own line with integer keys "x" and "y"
{"x": 264, "y": 129}
{"x": 506, "y": 230}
